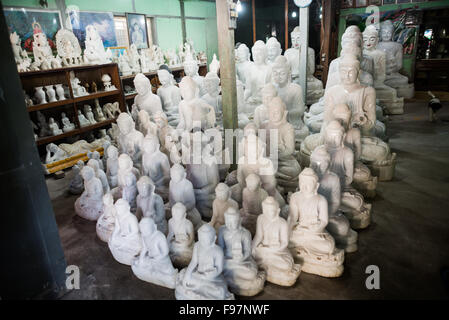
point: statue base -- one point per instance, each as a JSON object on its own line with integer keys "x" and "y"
{"x": 329, "y": 266}
{"x": 88, "y": 209}
{"x": 163, "y": 280}
{"x": 358, "y": 219}
{"x": 247, "y": 288}
{"x": 393, "y": 107}
{"x": 406, "y": 92}
{"x": 384, "y": 172}
{"x": 347, "y": 243}
{"x": 124, "y": 256}
{"x": 181, "y": 260}
{"x": 283, "y": 278}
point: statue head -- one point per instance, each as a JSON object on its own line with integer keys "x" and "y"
{"x": 93, "y": 163}
{"x": 276, "y": 110}
{"x": 142, "y": 84}
{"x": 188, "y": 88}
{"x": 320, "y": 161}
{"x": 222, "y": 192}
{"x": 122, "y": 207}
{"x": 281, "y": 71}
{"x": 342, "y": 113}
{"x": 370, "y": 37}
{"x": 296, "y": 38}
{"x": 211, "y": 83}
{"x": 164, "y": 76}
{"x": 242, "y": 53}
{"x": 352, "y": 34}
{"x": 190, "y": 66}
{"x": 386, "y": 30}
{"x": 150, "y": 144}
{"x": 178, "y": 211}
{"x": 351, "y": 48}
{"x": 273, "y": 49}
{"x": 259, "y": 51}
{"x": 252, "y": 182}
{"x": 177, "y": 173}
{"x": 147, "y": 226}
{"x": 125, "y": 123}
{"x": 308, "y": 181}
{"x": 108, "y": 199}
{"x": 112, "y": 152}
{"x": 125, "y": 162}
{"x": 51, "y": 120}
{"x": 232, "y": 219}
{"x": 268, "y": 92}
{"x": 145, "y": 186}
{"x": 206, "y": 235}
{"x": 334, "y": 134}
{"x": 130, "y": 179}
{"x": 348, "y": 69}
{"x": 87, "y": 173}
{"x": 270, "y": 208}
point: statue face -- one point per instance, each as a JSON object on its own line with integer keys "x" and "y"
{"x": 259, "y": 55}
{"x": 210, "y": 85}
{"x": 232, "y": 221}
{"x": 296, "y": 40}
{"x": 142, "y": 87}
{"x": 187, "y": 92}
{"x": 242, "y": 53}
{"x": 112, "y": 152}
{"x": 307, "y": 185}
{"x": 222, "y": 195}
{"x": 273, "y": 51}
{"x": 320, "y": 165}
{"x": 143, "y": 188}
{"x": 280, "y": 75}
{"x": 125, "y": 126}
{"x": 348, "y": 74}
{"x": 164, "y": 77}
{"x": 206, "y": 238}
{"x": 369, "y": 42}
{"x": 150, "y": 146}
{"x": 271, "y": 211}
{"x": 334, "y": 139}
{"x": 177, "y": 175}
{"x": 276, "y": 113}
{"x": 386, "y": 34}
{"x": 87, "y": 173}
{"x": 191, "y": 69}
{"x": 178, "y": 212}
{"x": 252, "y": 183}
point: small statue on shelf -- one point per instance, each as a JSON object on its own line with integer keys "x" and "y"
{"x": 40, "y": 95}
{"x": 108, "y": 86}
{"x": 94, "y": 87}
{"x": 54, "y": 128}
{"x": 51, "y": 93}
{"x": 98, "y": 112}
{"x": 82, "y": 119}
{"x": 89, "y": 114}
{"x": 78, "y": 90}
{"x": 44, "y": 129}
{"x": 67, "y": 125}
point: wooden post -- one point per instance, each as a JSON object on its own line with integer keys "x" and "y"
{"x": 304, "y": 34}
{"x": 253, "y": 7}
{"x": 183, "y": 21}
{"x": 326, "y": 31}
{"x": 286, "y": 25}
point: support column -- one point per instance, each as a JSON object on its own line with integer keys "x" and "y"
{"x": 183, "y": 21}
{"x": 32, "y": 260}
{"x": 304, "y": 34}
{"x": 326, "y": 31}
{"x": 286, "y": 24}
{"x": 253, "y": 9}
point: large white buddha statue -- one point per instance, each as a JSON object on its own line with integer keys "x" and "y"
{"x": 153, "y": 264}
{"x": 212, "y": 97}
{"x": 90, "y": 204}
{"x": 242, "y": 62}
{"x": 330, "y": 188}
{"x": 126, "y": 242}
{"x": 314, "y": 86}
{"x": 274, "y": 49}
{"x": 129, "y": 139}
{"x": 181, "y": 236}
{"x": 257, "y": 75}
{"x": 170, "y": 96}
{"x": 393, "y": 52}
{"x": 252, "y": 197}
{"x": 145, "y": 98}
{"x": 291, "y": 94}
{"x": 150, "y": 204}
{"x": 240, "y": 269}
{"x": 288, "y": 167}
{"x": 270, "y": 246}
{"x": 221, "y": 203}
{"x": 191, "y": 70}
{"x": 387, "y": 95}
{"x": 268, "y": 92}
{"x": 106, "y": 222}
{"x": 203, "y": 279}
{"x": 310, "y": 243}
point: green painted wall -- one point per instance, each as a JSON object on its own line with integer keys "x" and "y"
{"x": 408, "y": 62}
{"x": 167, "y": 14}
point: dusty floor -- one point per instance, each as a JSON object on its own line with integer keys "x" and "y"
{"x": 408, "y": 238}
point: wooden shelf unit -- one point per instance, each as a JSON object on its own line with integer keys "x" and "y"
{"x": 86, "y": 74}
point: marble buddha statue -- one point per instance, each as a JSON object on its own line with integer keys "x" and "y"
{"x": 291, "y": 94}
{"x": 67, "y": 125}
{"x": 145, "y": 125}
{"x": 204, "y": 178}
{"x": 329, "y": 187}
{"x": 170, "y": 96}
{"x": 168, "y": 137}
{"x": 274, "y": 49}
{"x": 126, "y": 181}
{"x": 268, "y": 92}
{"x": 310, "y": 243}
{"x": 342, "y": 163}
{"x": 387, "y": 95}
{"x": 288, "y": 167}
{"x": 203, "y": 278}
{"x": 100, "y": 174}
{"x": 77, "y": 183}
{"x": 106, "y": 222}
{"x": 112, "y": 166}
{"x": 252, "y": 197}
{"x": 181, "y": 236}
{"x": 240, "y": 269}
{"x": 90, "y": 204}
{"x": 145, "y": 98}
{"x": 150, "y": 204}
{"x": 155, "y": 164}
{"x": 221, "y": 203}
{"x": 125, "y": 242}
{"x": 257, "y": 75}
{"x": 393, "y": 52}
{"x": 193, "y": 109}
{"x": 242, "y": 62}
{"x": 153, "y": 264}
{"x": 54, "y": 127}
{"x": 191, "y": 70}
{"x": 129, "y": 139}
{"x": 212, "y": 97}
{"x": 270, "y": 246}
{"x": 314, "y": 86}
{"x": 181, "y": 190}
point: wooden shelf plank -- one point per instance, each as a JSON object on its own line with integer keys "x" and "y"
{"x": 130, "y": 96}
{"x": 153, "y": 73}
{"x": 82, "y": 67}
{"x": 96, "y": 95}
{"x": 50, "y": 105}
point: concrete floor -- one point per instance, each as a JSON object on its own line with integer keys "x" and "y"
{"x": 408, "y": 238}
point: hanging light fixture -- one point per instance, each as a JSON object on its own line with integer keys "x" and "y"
{"x": 294, "y": 14}
{"x": 239, "y": 6}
